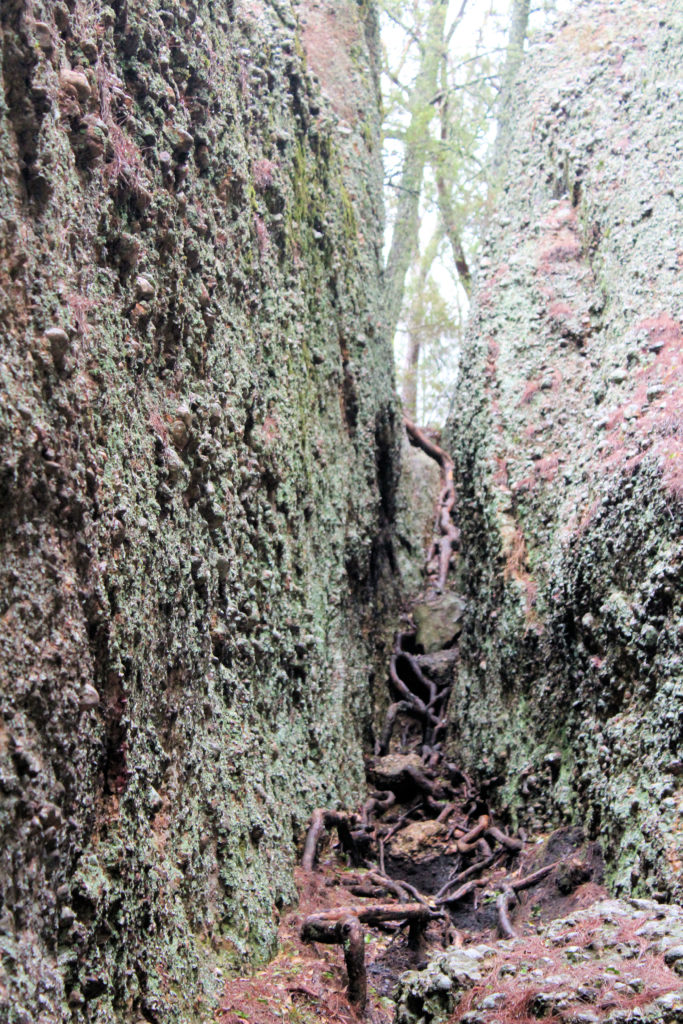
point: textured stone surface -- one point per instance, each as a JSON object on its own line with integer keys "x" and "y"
{"x": 418, "y": 491}
{"x": 609, "y": 963}
{"x": 431, "y": 994}
{"x": 438, "y": 620}
{"x": 568, "y": 439}
{"x": 198, "y": 466}
{"x": 416, "y": 841}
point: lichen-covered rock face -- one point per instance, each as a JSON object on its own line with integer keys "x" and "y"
{"x": 568, "y": 441}
{"x": 197, "y": 483}
{"x": 614, "y": 962}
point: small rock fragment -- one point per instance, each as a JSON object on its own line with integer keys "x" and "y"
{"x": 88, "y": 698}
{"x": 144, "y": 287}
{"x": 44, "y": 37}
{"x": 182, "y": 140}
{"x": 76, "y": 81}
{"x": 59, "y": 345}
{"x": 222, "y": 567}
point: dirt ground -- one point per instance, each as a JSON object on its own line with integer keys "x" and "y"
{"x": 306, "y": 982}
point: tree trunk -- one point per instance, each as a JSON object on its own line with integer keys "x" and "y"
{"x": 416, "y": 316}
{"x": 406, "y": 226}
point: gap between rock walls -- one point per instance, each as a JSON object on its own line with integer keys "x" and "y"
{"x": 424, "y": 887}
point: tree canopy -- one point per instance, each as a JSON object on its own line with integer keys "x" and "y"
{"x": 448, "y": 68}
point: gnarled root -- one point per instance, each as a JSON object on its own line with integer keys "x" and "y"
{"x": 449, "y": 534}
{"x": 322, "y": 819}
{"x": 343, "y": 927}
{"x": 503, "y": 904}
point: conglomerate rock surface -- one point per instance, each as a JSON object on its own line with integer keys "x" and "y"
{"x": 198, "y": 465}
{"x": 567, "y": 435}
{"x": 615, "y": 962}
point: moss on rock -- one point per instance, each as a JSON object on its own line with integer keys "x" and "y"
{"x": 567, "y": 439}
{"x": 197, "y": 485}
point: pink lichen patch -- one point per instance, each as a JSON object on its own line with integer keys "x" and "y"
{"x": 499, "y": 274}
{"x": 546, "y": 468}
{"x": 560, "y": 216}
{"x": 270, "y": 430}
{"x": 656, "y": 408}
{"x": 560, "y": 310}
{"x": 615, "y": 418}
{"x": 487, "y": 291}
{"x": 525, "y": 485}
{"x": 516, "y": 568}
{"x": 263, "y": 173}
{"x": 662, "y": 330}
{"x": 559, "y": 244}
{"x": 80, "y": 306}
{"x": 330, "y": 34}
{"x": 158, "y": 425}
{"x": 565, "y": 247}
{"x": 493, "y": 352}
{"x": 515, "y": 554}
{"x": 588, "y": 516}
{"x": 262, "y": 236}
{"x": 500, "y": 477}
{"x": 622, "y": 144}
{"x": 530, "y": 389}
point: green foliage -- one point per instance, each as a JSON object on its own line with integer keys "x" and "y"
{"x": 443, "y": 63}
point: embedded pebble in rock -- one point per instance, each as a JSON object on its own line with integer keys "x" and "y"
{"x": 144, "y": 287}
{"x": 59, "y": 345}
{"x": 393, "y": 770}
{"x": 418, "y": 840}
{"x": 89, "y": 697}
{"x": 44, "y": 37}
{"x": 182, "y": 140}
{"x": 439, "y": 621}
{"x": 77, "y": 81}
{"x": 430, "y": 995}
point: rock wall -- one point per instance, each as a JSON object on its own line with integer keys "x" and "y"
{"x": 568, "y": 439}
{"x": 198, "y": 468}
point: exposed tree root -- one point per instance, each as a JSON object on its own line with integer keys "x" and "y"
{"x": 449, "y": 533}
{"x": 467, "y": 843}
{"x": 343, "y": 928}
{"x": 515, "y": 845}
{"x": 472, "y": 871}
{"x": 342, "y": 925}
{"x": 377, "y": 804}
{"x": 459, "y": 894}
{"x": 525, "y": 883}
{"x": 321, "y": 820}
{"x": 380, "y": 882}
{"x": 416, "y": 789}
{"x": 506, "y": 898}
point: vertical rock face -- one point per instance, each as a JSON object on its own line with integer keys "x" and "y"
{"x": 568, "y": 437}
{"x": 198, "y": 466}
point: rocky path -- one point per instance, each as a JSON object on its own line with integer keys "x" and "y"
{"x": 420, "y": 907}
